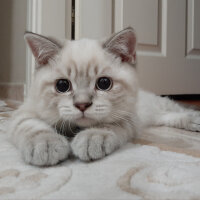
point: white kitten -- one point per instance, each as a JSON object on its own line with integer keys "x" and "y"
{"x": 91, "y": 85}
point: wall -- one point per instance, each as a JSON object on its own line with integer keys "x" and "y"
{"x": 12, "y": 48}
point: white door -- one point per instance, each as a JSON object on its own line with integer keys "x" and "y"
{"x": 50, "y": 18}
{"x": 168, "y": 38}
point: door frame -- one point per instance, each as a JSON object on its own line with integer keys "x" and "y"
{"x": 36, "y": 10}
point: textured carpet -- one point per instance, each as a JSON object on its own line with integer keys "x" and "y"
{"x": 163, "y": 163}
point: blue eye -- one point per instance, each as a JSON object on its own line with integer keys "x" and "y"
{"x": 63, "y": 85}
{"x": 104, "y": 83}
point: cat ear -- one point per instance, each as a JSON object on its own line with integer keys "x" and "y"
{"x": 43, "y": 48}
{"x": 123, "y": 45}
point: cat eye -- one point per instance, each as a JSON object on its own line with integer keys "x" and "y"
{"x": 104, "y": 83}
{"x": 63, "y": 85}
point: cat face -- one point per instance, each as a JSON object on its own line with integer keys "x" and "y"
{"x": 86, "y": 81}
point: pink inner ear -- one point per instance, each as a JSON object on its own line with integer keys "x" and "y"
{"x": 131, "y": 57}
{"x": 33, "y": 48}
{"x": 44, "y": 49}
{"x": 125, "y": 48}
{"x": 131, "y": 44}
{"x": 42, "y": 60}
{"x": 123, "y": 45}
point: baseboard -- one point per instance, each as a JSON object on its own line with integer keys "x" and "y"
{"x": 14, "y": 91}
{"x": 190, "y": 97}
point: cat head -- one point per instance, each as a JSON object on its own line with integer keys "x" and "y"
{"x": 85, "y": 81}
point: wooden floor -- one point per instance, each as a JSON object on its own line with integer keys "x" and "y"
{"x": 191, "y": 102}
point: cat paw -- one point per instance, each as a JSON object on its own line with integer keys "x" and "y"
{"x": 45, "y": 149}
{"x": 194, "y": 124}
{"x": 94, "y": 144}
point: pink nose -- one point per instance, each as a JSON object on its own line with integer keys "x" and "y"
{"x": 82, "y": 106}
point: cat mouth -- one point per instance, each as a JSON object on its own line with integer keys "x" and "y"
{"x": 84, "y": 120}
{"x": 83, "y": 117}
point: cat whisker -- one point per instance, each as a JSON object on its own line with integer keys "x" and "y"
{"x": 98, "y": 110}
{"x": 118, "y": 117}
{"x": 55, "y": 126}
{"x": 62, "y": 126}
{"x": 126, "y": 112}
{"x": 71, "y": 128}
{"x": 101, "y": 106}
{"x": 117, "y": 124}
{"x": 63, "y": 107}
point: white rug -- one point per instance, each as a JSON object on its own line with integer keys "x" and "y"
{"x": 148, "y": 168}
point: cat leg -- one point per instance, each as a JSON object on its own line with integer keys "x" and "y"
{"x": 37, "y": 141}
{"x": 95, "y": 143}
{"x": 155, "y": 110}
{"x": 188, "y": 120}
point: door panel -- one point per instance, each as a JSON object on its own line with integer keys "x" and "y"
{"x": 132, "y": 15}
{"x": 168, "y": 33}
{"x": 193, "y": 27}
{"x": 93, "y": 18}
{"x": 172, "y": 65}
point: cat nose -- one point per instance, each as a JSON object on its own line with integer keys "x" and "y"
{"x": 83, "y": 106}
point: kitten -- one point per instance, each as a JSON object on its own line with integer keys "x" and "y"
{"x": 92, "y": 86}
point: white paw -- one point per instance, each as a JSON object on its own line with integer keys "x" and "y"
{"x": 45, "y": 149}
{"x": 194, "y": 122}
{"x": 93, "y": 144}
